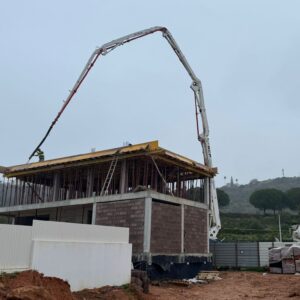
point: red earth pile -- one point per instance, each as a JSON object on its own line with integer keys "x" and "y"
{"x": 31, "y": 285}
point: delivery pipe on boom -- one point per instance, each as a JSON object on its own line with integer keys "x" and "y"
{"x": 196, "y": 86}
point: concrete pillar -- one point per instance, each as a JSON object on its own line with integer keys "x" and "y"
{"x": 147, "y": 224}
{"x": 208, "y": 232}
{"x": 182, "y": 228}
{"x": 89, "y": 193}
{"x": 123, "y": 178}
{"x": 94, "y": 212}
{"x": 89, "y": 183}
{"x": 206, "y": 188}
{"x": 56, "y": 186}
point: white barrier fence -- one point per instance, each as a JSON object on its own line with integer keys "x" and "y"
{"x": 87, "y": 256}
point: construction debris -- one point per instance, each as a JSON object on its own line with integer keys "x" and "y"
{"x": 195, "y": 281}
{"x": 208, "y": 275}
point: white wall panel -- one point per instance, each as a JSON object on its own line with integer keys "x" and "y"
{"x": 61, "y": 231}
{"x": 15, "y": 247}
{"x": 87, "y": 256}
{"x": 84, "y": 265}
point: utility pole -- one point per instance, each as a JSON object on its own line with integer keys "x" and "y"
{"x": 279, "y": 227}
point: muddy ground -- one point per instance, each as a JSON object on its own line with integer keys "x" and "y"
{"x": 31, "y": 285}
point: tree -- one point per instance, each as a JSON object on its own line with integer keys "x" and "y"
{"x": 293, "y": 198}
{"x": 223, "y": 198}
{"x": 253, "y": 181}
{"x": 196, "y": 194}
{"x": 268, "y": 199}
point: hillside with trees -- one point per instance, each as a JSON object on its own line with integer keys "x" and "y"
{"x": 243, "y": 227}
{"x": 240, "y": 194}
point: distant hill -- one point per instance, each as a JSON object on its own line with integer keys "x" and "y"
{"x": 240, "y": 194}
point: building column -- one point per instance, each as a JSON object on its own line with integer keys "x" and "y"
{"x": 123, "y": 177}
{"x": 89, "y": 183}
{"x": 182, "y": 228}
{"x": 56, "y": 187}
{"x": 206, "y": 187}
{"x": 208, "y": 224}
{"x": 147, "y": 225}
{"x": 94, "y": 212}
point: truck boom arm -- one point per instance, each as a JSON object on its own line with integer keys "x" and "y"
{"x": 196, "y": 86}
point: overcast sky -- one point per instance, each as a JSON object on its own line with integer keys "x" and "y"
{"x": 245, "y": 52}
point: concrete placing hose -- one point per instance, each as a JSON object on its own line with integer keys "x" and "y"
{"x": 196, "y": 86}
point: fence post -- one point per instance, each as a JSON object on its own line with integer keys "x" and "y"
{"x": 236, "y": 254}
{"x": 258, "y": 255}
{"x": 215, "y": 255}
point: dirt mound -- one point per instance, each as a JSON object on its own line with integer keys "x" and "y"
{"x": 31, "y": 285}
{"x": 105, "y": 293}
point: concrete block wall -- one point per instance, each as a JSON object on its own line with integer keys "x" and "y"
{"x": 157, "y": 225}
{"x": 195, "y": 230}
{"x": 72, "y": 214}
{"x": 128, "y": 213}
{"x": 75, "y": 214}
{"x": 166, "y": 228}
{"x": 174, "y": 228}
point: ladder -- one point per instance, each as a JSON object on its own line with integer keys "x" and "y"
{"x": 109, "y": 176}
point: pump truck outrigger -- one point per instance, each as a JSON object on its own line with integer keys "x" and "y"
{"x": 196, "y": 86}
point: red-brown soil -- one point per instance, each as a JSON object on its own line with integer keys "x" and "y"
{"x": 235, "y": 286}
{"x": 31, "y": 285}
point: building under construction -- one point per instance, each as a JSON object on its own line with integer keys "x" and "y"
{"x": 158, "y": 194}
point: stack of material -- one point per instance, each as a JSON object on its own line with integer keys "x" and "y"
{"x": 297, "y": 258}
{"x": 275, "y": 260}
{"x": 208, "y": 275}
{"x": 285, "y": 260}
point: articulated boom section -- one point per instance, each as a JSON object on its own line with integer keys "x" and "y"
{"x": 211, "y": 194}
